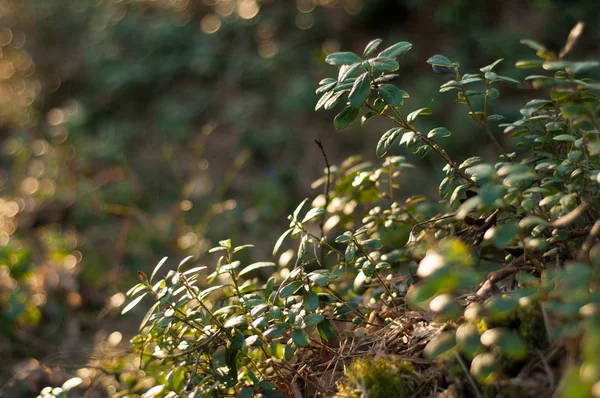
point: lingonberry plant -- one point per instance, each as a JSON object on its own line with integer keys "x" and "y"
{"x": 492, "y": 288}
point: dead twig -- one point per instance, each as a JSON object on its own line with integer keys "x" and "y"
{"x": 586, "y": 248}
{"x": 327, "y": 187}
{"x": 573, "y": 215}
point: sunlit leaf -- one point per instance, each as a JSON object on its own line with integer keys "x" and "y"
{"x": 386, "y": 141}
{"x": 342, "y": 58}
{"x": 133, "y": 303}
{"x": 255, "y": 266}
{"x": 158, "y": 266}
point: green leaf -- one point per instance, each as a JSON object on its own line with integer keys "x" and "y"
{"x": 350, "y": 252}
{"x": 209, "y": 290}
{"x": 345, "y": 117}
{"x": 445, "y": 186}
{"x": 323, "y": 100}
{"x": 501, "y": 235}
{"x": 194, "y": 270}
{"x": 291, "y": 289}
{"x": 501, "y": 307}
{"x": 371, "y": 244}
{"x": 493, "y": 93}
{"x": 439, "y": 132}
{"x": 408, "y": 138}
{"x": 368, "y": 268}
{"x": 382, "y": 64}
{"x": 312, "y": 319}
{"x": 489, "y": 68}
{"x": 290, "y": 350}
{"x": 148, "y": 315}
{"x": 413, "y": 115}
{"x": 296, "y": 212}
{"x": 564, "y": 137}
{"x": 326, "y": 81}
{"x": 311, "y": 301}
{"x": 470, "y": 162}
{"x": 577, "y": 67}
{"x": 334, "y": 100}
{"x": 342, "y": 58}
{"x": 441, "y": 345}
{"x": 133, "y": 303}
{"x": 477, "y": 116}
{"x": 533, "y": 45}
{"x": 280, "y": 241}
{"x": 372, "y": 46}
{"x": 467, "y": 340}
{"x": 366, "y": 117}
{"x": 458, "y": 193}
{"x": 439, "y": 60}
{"x": 326, "y": 330}
{"x": 360, "y": 91}
{"x": 300, "y": 338}
{"x": 345, "y": 71}
{"x": 255, "y": 266}
{"x": 386, "y": 141}
{"x": 345, "y": 308}
{"x": 158, "y": 266}
{"x": 247, "y": 392}
{"x": 258, "y": 310}
{"x": 136, "y": 289}
{"x": 396, "y": 50}
{"x": 483, "y": 365}
{"x": 271, "y": 394}
{"x": 276, "y": 331}
{"x": 71, "y": 383}
{"x": 313, "y": 213}
{"x": 511, "y": 344}
{"x": 260, "y": 322}
{"x": 231, "y": 266}
{"x": 525, "y": 64}
{"x": 342, "y": 239}
{"x": 494, "y": 118}
{"x": 236, "y": 321}
{"x": 445, "y": 71}
{"x": 391, "y": 94}
{"x": 490, "y": 193}
{"x": 508, "y": 79}
{"x": 379, "y": 105}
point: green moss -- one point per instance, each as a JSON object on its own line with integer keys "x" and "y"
{"x": 531, "y": 325}
{"x": 378, "y": 378}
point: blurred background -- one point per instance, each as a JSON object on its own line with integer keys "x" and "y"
{"x": 136, "y": 129}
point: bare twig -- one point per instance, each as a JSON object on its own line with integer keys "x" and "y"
{"x": 573, "y": 215}
{"x": 468, "y": 374}
{"x": 327, "y": 187}
{"x": 484, "y": 126}
{"x": 572, "y": 39}
{"x": 584, "y": 255}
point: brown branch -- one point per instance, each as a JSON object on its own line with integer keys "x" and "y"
{"x": 584, "y": 255}
{"x": 327, "y": 187}
{"x": 573, "y": 215}
{"x": 487, "y": 287}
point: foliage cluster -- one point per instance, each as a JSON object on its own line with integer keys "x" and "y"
{"x": 82, "y": 81}
{"x": 501, "y": 270}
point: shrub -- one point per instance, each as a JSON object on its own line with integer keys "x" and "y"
{"x": 478, "y": 281}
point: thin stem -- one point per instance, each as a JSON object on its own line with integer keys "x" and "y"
{"x": 379, "y": 280}
{"x": 189, "y": 288}
{"x": 482, "y": 124}
{"x": 327, "y": 187}
{"x": 405, "y": 125}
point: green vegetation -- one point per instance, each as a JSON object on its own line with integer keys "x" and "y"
{"x": 443, "y": 257}
{"x": 502, "y": 263}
